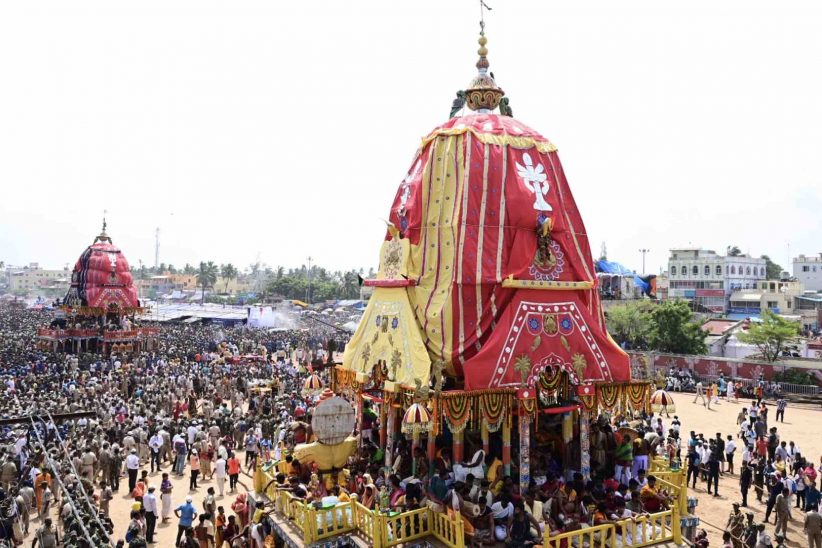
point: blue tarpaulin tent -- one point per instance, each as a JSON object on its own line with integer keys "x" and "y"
{"x": 617, "y": 269}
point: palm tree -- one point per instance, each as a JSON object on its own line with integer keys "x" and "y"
{"x": 189, "y": 270}
{"x": 206, "y": 277}
{"x": 228, "y": 272}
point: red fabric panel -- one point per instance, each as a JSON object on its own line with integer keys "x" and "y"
{"x": 103, "y": 275}
{"x": 520, "y": 326}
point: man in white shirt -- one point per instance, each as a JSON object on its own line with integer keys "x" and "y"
{"x": 192, "y": 433}
{"x": 19, "y": 444}
{"x": 746, "y": 456}
{"x": 155, "y": 444}
{"x": 132, "y": 467}
{"x": 220, "y": 473}
{"x": 150, "y": 506}
{"x": 730, "y": 449}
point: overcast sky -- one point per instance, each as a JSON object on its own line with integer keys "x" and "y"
{"x": 277, "y": 130}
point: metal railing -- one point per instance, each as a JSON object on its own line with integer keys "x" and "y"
{"x": 404, "y": 527}
{"x": 643, "y": 530}
{"x": 446, "y": 530}
{"x": 333, "y": 521}
{"x": 367, "y": 524}
{"x": 383, "y": 531}
{"x": 787, "y": 387}
{"x": 598, "y": 536}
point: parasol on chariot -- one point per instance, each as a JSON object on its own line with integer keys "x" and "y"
{"x": 662, "y": 401}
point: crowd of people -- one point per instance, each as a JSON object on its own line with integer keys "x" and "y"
{"x": 189, "y": 408}
{"x": 194, "y": 409}
{"x": 771, "y": 469}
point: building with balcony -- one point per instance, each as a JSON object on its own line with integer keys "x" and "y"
{"x": 808, "y": 270}
{"x": 808, "y": 305}
{"x": 777, "y": 296}
{"x": 707, "y": 279}
{"x": 33, "y": 280}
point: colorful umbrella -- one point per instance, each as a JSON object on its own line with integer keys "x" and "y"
{"x": 628, "y": 432}
{"x": 312, "y": 385}
{"x": 416, "y": 420}
{"x": 662, "y": 401}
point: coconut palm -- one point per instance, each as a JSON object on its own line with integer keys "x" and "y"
{"x": 228, "y": 272}
{"x": 206, "y": 277}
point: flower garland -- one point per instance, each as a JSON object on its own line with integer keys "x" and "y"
{"x": 637, "y": 394}
{"x": 457, "y": 413}
{"x": 608, "y": 395}
{"x": 589, "y": 401}
{"x": 528, "y": 407}
{"x": 493, "y": 407}
{"x": 550, "y": 378}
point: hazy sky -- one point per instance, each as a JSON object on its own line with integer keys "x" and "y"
{"x": 282, "y": 129}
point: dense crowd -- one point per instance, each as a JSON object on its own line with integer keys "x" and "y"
{"x": 782, "y": 478}
{"x": 193, "y": 409}
{"x": 188, "y": 408}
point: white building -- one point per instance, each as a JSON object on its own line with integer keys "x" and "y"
{"x": 808, "y": 270}
{"x": 707, "y": 279}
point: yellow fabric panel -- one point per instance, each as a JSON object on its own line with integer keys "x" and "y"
{"x": 377, "y": 338}
{"x": 491, "y": 139}
{"x": 394, "y": 259}
{"x": 433, "y": 259}
{"x": 326, "y": 456}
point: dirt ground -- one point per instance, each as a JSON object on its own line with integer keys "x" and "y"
{"x": 120, "y": 506}
{"x": 800, "y": 425}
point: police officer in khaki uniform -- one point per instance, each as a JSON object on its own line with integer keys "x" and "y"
{"x": 813, "y": 528}
{"x": 736, "y": 525}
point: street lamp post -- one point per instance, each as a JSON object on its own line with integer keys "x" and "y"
{"x": 643, "y": 251}
{"x": 308, "y": 291}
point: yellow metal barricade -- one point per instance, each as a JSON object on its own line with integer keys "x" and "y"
{"x": 599, "y": 536}
{"x": 329, "y": 522}
{"x": 404, "y": 527}
{"x": 367, "y": 524}
{"x": 647, "y": 530}
{"x": 446, "y": 530}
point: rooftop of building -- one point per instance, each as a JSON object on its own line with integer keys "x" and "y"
{"x": 808, "y": 258}
{"x": 719, "y": 326}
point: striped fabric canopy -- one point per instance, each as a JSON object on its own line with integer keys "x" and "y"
{"x": 662, "y": 401}
{"x": 312, "y": 385}
{"x": 416, "y": 420}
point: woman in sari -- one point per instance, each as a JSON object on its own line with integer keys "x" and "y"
{"x": 397, "y": 494}
{"x": 369, "y": 492}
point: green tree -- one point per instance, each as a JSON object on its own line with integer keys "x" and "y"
{"x": 228, "y": 272}
{"x": 733, "y": 251}
{"x": 674, "y": 330}
{"x": 189, "y": 270}
{"x": 206, "y": 277}
{"x": 350, "y": 285}
{"x": 770, "y": 335}
{"x": 630, "y": 324}
{"x": 773, "y": 271}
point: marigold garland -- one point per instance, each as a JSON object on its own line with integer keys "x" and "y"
{"x": 637, "y": 394}
{"x": 589, "y": 401}
{"x": 550, "y": 378}
{"x": 608, "y": 395}
{"x": 493, "y": 408}
{"x": 456, "y": 412}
